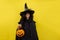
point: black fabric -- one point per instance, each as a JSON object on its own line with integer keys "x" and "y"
{"x": 30, "y": 30}
{"x": 27, "y": 11}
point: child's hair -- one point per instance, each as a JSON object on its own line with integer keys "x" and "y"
{"x": 23, "y": 19}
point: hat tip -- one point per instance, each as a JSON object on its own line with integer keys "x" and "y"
{"x": 26, "y": 6}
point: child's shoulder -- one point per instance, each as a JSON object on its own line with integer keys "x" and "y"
{"x": 33, "y": 21}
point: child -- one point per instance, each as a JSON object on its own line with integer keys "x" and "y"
{"x": 28, "y": 24}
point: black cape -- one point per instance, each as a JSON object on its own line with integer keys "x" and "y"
{"x": 30, "y": 31}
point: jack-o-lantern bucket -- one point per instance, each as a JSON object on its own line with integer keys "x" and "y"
{"x": 20, "y": 33}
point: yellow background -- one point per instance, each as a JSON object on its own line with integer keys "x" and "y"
{"x": 47, "y": 17}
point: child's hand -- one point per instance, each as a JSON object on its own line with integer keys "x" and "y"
{"x": 19, "y": 26}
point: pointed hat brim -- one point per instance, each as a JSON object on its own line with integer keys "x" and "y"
{"x": 27, "y": 11}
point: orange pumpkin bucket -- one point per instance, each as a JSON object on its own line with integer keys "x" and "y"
{"x": 20, "y": 33}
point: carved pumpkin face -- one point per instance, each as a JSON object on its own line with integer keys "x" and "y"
{"x": 20, "y": 33}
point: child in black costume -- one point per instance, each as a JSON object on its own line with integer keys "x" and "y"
{"x": 28, "y": 24}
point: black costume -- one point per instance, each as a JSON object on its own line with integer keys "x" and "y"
{"x": 28, "y": 26}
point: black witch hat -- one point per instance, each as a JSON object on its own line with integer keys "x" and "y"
{"x": 26, "y": 11}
